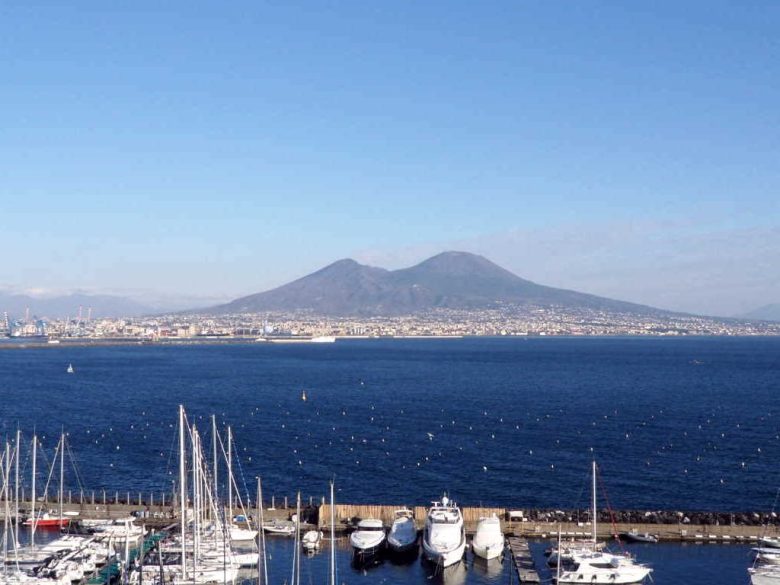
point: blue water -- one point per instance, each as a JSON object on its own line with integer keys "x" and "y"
{"x": 674, "y": 423}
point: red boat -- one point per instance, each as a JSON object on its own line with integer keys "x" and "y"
{"x": 47, "y": 520}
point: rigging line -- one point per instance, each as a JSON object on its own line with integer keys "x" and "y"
{"x": 173, "y": 446}
{"x": 609, "y": 506}
{"x": 72, "y": 458}
{"x": 51, "y": 472}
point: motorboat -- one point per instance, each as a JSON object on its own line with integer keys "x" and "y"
{"x": 368, "y": 539}
{"x": 488, "y": 541}
{"x": 403, "y": 533}
{"x": 48, "y": 519}
{"x": 311, "y": 541}
{"x": 768, "y": 556}
{"x": 769, "y": 542}
{"x": 444, "y": 537}
{"x": 602, "y": 568}
{"x": 768, "y": 575}
{"x": 281, "y": 527}
{"x": 636, "y": 536}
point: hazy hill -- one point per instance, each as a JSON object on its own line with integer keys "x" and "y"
{"x": 454, "y": 280}
{"x": 68, "y": 305}
{"x": 765, "y": 313}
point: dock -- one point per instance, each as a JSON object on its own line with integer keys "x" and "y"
{"x": 523, "y": 560}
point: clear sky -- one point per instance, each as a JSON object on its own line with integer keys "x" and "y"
{"x": 628, "y": 149}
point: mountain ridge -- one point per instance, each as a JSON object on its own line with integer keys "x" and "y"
{"x": 449, "y": 280}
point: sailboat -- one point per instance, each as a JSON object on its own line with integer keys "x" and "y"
{"x": 50, "y": 519}
{"x": 70, "y": 369}
{"x": 588, "y": 564}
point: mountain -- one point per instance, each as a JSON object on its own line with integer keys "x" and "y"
{"x": 450, "y": 280}
{"x": 68, "y": 305}
{"x": 765, "y": 313}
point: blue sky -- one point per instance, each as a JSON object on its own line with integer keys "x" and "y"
{"x": 627, "y": 149}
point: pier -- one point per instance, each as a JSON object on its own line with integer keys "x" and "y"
{"x": 523, "y": 560}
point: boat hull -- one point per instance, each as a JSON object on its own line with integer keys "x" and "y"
{"x": 444, "y": 558}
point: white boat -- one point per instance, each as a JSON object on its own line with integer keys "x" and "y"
{"x": 769, "y": 556}
{"x": 586, "y": 564}
{"x": 70, "y": 369}
{"x": 238, "y": 534}
{"x": 368, "y": 539}
{"x": 488, "y": 541}
{"x": 765, "y": 575}
{"x": 283, "y": 527}
{"x": 769, "y": 542}
{"x": 444, "y": 537}
{"x": 312, "y": 541}
{"x": 323, "y": 339}
{"x": 119, "y": 528}
{"x": 403, "y": 532}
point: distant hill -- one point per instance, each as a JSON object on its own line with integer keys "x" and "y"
{"x": 765, "y": 313}
{"x": 68, "y": 305}
{"x": 451, "y": 280}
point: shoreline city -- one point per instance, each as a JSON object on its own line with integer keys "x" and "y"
{"x": 301, "y": 326}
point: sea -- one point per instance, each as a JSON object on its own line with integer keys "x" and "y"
{"x": 674, "y": 424}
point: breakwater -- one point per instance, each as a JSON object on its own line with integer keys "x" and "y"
{"x": 163, "y": 510}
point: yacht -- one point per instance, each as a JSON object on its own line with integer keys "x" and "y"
{"x": 403, "y": 532}
{"x": 444, "y": 537}
{"x": 600, "y": 567}
{"x": 368, "y": 539}
{"x": 488, "y": 541}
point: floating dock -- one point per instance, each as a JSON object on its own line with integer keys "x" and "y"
{"x": 523, "y": 560}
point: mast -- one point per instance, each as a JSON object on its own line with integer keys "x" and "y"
{"x": 32, "y": 503}
{"x": 332, "y": 536}
{"x": 16, "y": 486}
{"x": 195, "y": 501}
{"x": 558, "y": 560}
{"x": 296, "y": 570}
{"x": 6, "y": 512}
{"x": 261, "y": 555}
{"x": 214, "y": 444}
{"x": 230, "y": 476}
{"x": 595, "y": 531}
{"x": 62, "y": 473}
{"x": 182, "y": 492}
